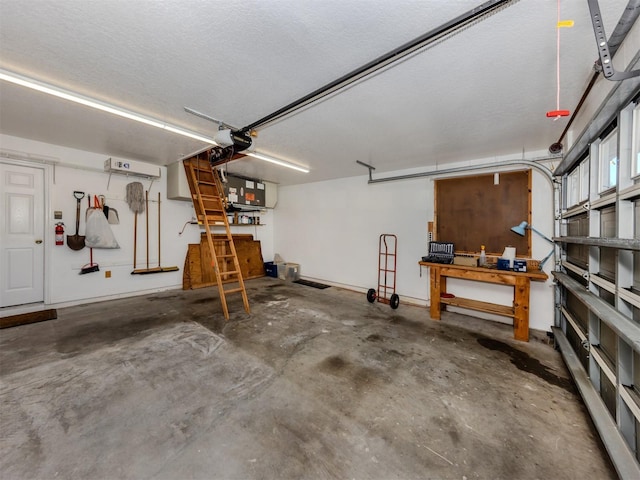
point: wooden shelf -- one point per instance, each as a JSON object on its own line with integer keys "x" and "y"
{"x": 480, "y": 306}
{"x": 520, "y": 281}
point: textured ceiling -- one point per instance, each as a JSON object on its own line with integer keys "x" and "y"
{"x": 481, "y": 93}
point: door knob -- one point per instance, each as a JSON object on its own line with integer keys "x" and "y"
{"x": 38, "y": 242}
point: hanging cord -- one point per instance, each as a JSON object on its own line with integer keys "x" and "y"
{"x": 557, "y": 113}
{"x": 558, "y": 61}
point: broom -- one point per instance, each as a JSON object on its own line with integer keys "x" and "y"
{"x": 159, "y": 268}
{"x": 164, "y": 269}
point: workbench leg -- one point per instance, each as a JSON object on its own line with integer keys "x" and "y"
{"x": 437, "y": 284}
{"x": 521, "y": 309}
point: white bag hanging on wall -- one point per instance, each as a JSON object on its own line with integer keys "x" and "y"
{"x": 98, "y": 233}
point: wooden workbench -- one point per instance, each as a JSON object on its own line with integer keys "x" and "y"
{"x": 521, "y": 282}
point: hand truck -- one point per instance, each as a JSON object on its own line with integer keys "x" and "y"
{"x": 387, "y": 254}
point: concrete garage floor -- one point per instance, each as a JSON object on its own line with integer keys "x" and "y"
{"x": 313, "y": 384}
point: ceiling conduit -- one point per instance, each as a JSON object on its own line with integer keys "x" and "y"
{"x": 385, "y": 60}
{"x": 486, "y": 166}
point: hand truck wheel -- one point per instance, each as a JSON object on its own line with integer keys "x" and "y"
{"x": 394, "y": 301}
{"x": 372, "y": 295}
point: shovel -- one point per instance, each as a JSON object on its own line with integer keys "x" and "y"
{"x": 76, "y": 242}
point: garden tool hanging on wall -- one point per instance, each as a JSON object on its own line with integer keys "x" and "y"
{"x": 159, "y": 268}
{"x": 76, "y": 242}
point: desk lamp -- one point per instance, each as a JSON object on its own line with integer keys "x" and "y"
{"x": 520, "y": 230}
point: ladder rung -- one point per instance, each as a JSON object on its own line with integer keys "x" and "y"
{"x": 202, "y": 182}
{"x": 199, "y": 168}
{"x": 229, "y": 272}
{"x": 225, "y": 256}
{"x": 234, "y": 290}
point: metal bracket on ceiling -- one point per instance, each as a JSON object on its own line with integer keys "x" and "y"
{"x": 608, "y": 70}
{"x": 368, "y": 166}
{"x": 221, "y": 125}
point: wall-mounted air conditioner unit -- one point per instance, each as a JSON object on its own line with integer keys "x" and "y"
{"x": 130, "y": 167}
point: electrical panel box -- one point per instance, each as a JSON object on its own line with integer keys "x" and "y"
{"x": 261, "y": 195}
{"x": 245, "y": 192}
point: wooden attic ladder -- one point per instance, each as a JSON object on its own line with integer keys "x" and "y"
{"x": 209, "y": 203}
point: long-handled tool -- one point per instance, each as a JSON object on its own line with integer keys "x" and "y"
{"x": 76, "y": 242}
{"x": 164, "y": 269}
{"x": 158, "y": 269}
{"x": 90, "y": 267}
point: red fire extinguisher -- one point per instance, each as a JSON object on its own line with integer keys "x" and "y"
{"x": 59, "y": 233}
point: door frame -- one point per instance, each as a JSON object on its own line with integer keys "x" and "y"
{"x": 48, "y": 235}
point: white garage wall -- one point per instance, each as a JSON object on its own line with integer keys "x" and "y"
{"x": 332, "y": 230}
{"x": 83, "y": 171}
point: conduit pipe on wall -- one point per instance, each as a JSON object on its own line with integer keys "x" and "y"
{"x": 506, "y": 163}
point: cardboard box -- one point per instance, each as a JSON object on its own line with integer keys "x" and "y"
{"x": 466, "y": 261}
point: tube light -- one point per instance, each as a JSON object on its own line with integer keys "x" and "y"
{"x": 104, "y": 107}
{"x": 282, "y": 163}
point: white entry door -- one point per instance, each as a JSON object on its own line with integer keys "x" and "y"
{"x": 21, "y": 235}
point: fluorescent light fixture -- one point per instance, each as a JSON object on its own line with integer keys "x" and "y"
{"x": 282, "y": 163}
{"x": 104, "y": 107}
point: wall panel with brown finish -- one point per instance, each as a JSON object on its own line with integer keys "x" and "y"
{"x": 198, "y": 272}
{"x": 474, "y": 211}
